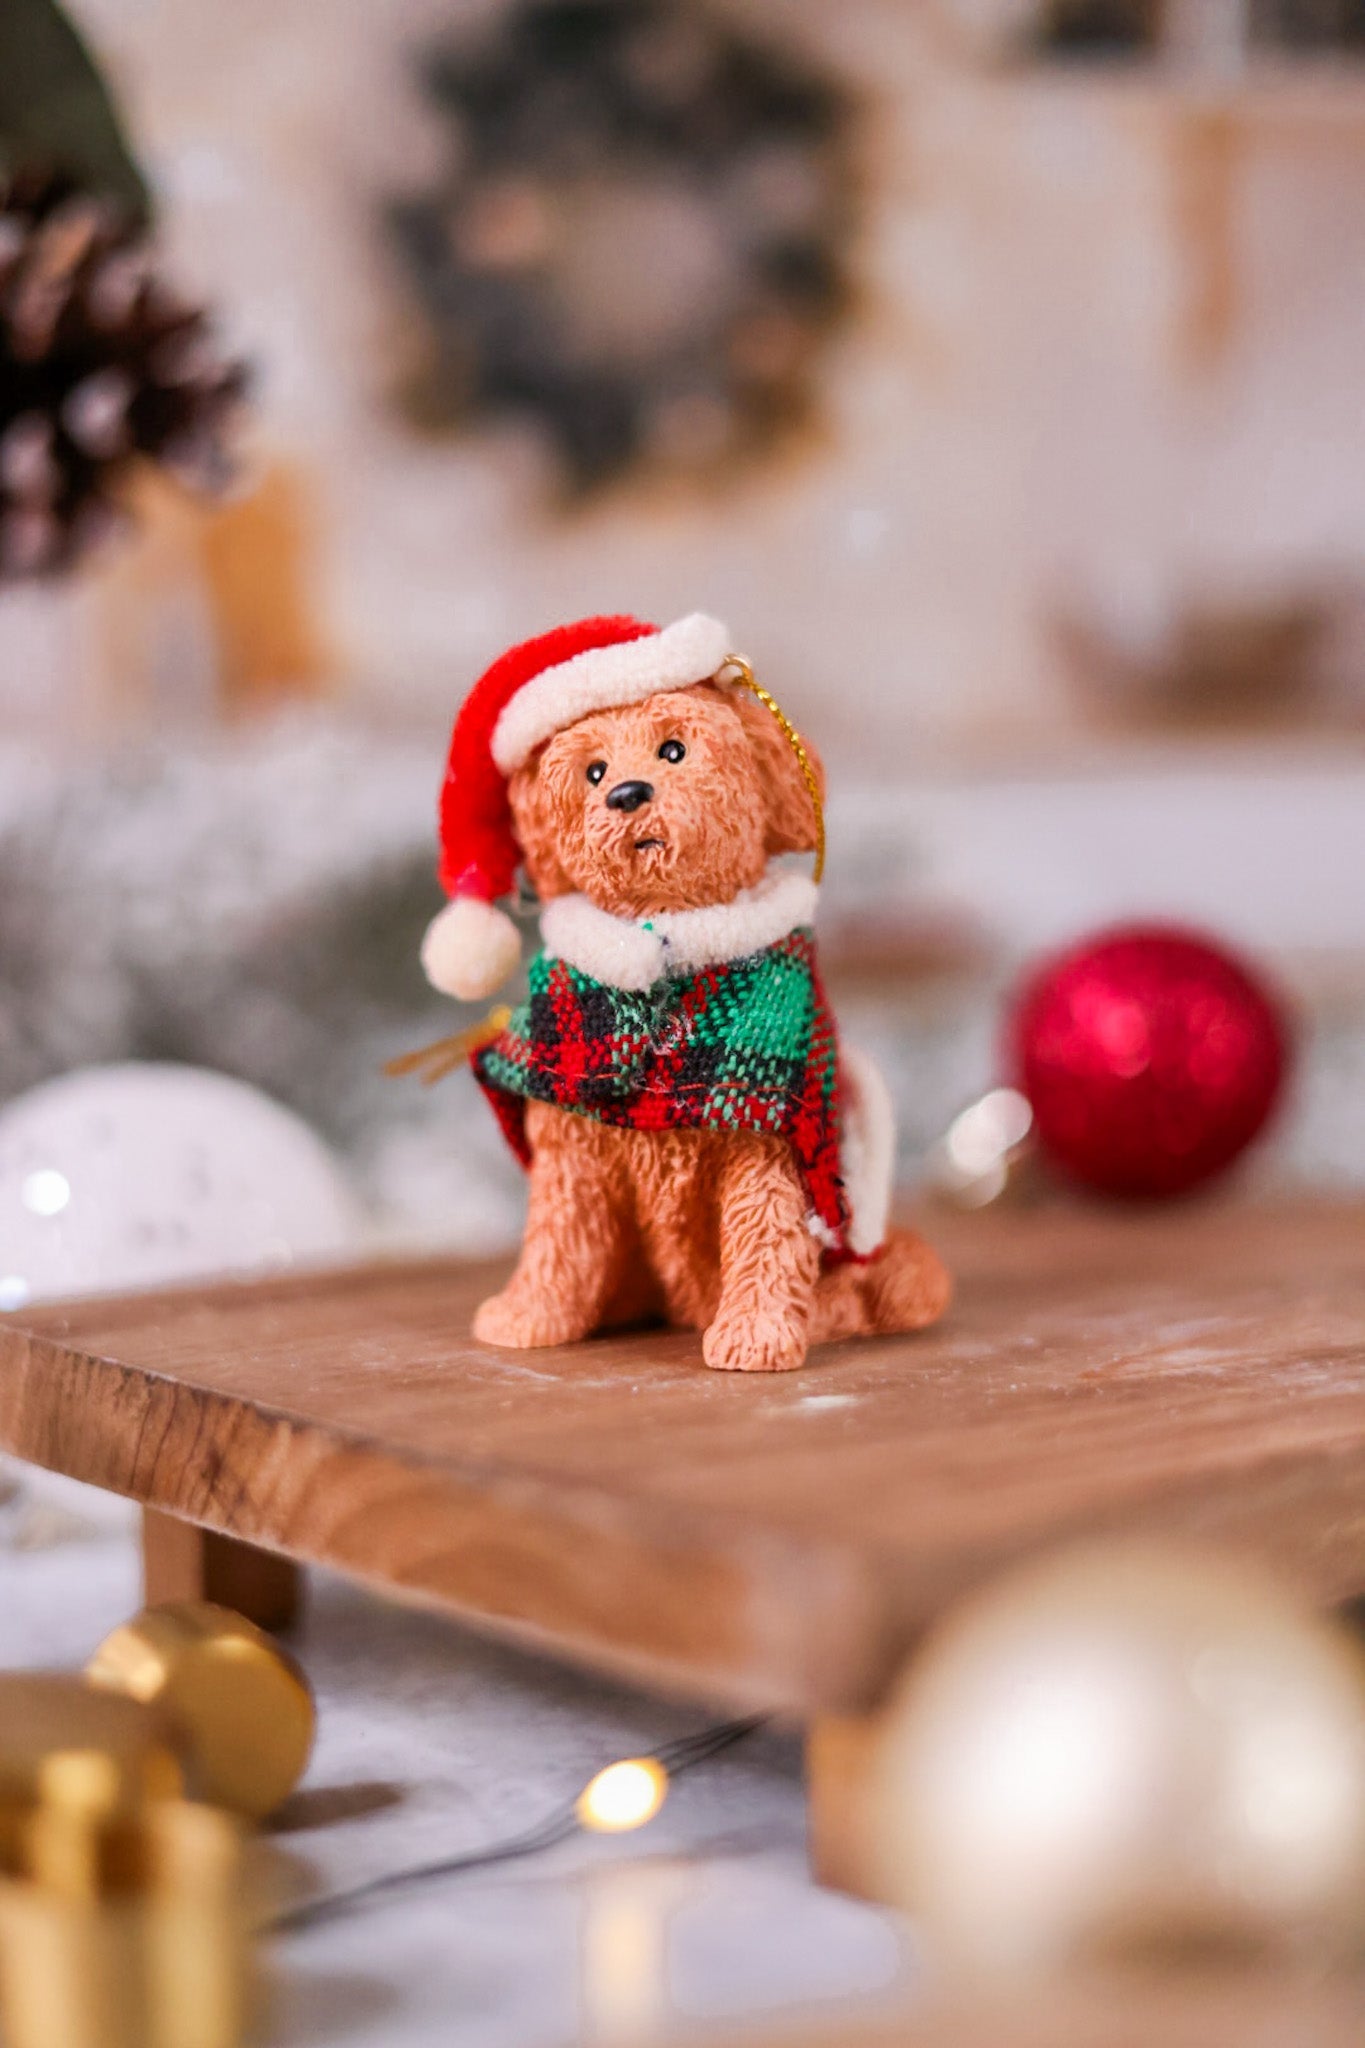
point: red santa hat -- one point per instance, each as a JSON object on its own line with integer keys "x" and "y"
{"x": 530, "y": 693}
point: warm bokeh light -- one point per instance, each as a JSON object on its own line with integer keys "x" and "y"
{"x": 623, "y": 1796}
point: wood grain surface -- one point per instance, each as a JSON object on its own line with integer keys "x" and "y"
{"x": 1254, "y": 2007}
{"x": 776, "y": 1541}
{"x": 182, "y": 1561}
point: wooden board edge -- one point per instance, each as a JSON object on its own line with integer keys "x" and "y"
{"x": 674, "y": 1598}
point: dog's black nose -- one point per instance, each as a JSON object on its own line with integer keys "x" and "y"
{"x": 629, "y": 796}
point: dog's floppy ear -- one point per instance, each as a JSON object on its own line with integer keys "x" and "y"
{"x": 539, "y": 830}
{"x": 789, "y": 812}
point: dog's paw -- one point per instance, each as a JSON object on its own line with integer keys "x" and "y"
{"x": 520, "y": 1325}
{"x": 755, "y": 1343}
{"x": 907, "y": 1286}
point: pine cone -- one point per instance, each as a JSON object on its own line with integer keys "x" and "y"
{"x": 101, "y": 367}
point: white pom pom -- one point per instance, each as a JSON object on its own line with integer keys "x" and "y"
{"x": 471, "y": 948}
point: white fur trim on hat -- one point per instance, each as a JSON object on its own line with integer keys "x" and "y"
{"x": 634, "y": 953}
{"x": 867, "y": 1149}
{"x": 470, "y": 949}
{"x": 684, "y": 653}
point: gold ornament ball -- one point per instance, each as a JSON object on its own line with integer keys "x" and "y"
{"x": 1125, "y": 1751}
{"x": 242, "y": 1705}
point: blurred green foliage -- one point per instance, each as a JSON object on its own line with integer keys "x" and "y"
{"x": 56, "y": 112}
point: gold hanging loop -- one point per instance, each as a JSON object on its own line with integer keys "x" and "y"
{"x": 744, "y": 675}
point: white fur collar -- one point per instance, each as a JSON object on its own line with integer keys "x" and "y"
{"x": 630, "y": 954}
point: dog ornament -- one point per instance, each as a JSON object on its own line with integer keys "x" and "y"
{"x": 701, "y": 1147}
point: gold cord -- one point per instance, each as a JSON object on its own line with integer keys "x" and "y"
{"x": 433, "y": 1062}
{"x": 745, "y": 677}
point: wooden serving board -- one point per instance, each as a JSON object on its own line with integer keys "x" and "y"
{"x": 771, "y": 1541}
{"x": 1251, "y": 2007}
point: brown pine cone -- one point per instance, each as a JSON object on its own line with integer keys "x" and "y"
{"x": 101, "y": 367}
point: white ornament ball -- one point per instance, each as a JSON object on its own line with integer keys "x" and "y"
{"x": 142, "y": 1174}
{"x": 1121, "y": 1749}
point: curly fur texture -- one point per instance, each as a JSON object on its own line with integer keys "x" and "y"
{"x": 715, "y": 818}
{"x": 706, "y": 1229}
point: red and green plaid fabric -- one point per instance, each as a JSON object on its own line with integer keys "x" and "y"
{"x": 748, "y": 1045}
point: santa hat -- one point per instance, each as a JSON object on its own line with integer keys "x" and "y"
{"x": 529, "y": 694}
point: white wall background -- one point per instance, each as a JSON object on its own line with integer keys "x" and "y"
{"x": 1025, "y": 410}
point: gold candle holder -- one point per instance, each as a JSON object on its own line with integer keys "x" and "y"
{"x": 45, "y": 1712}
{"x": 124, "y": 1925}
{"x": 123, "y": 1916}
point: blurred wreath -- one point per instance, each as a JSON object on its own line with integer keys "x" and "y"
{"x": 102, "y": 367}
{"x": 1137, "y": 28}
{"x": 641, "y": 237}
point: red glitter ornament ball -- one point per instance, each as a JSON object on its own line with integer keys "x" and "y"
{"x": 1151, "y": 1058}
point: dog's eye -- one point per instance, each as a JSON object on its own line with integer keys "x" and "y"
{"x": 596, "y": 770}
{"x": 672, "y": 750}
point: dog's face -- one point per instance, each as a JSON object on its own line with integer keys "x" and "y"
{"x": 668, "y": 805}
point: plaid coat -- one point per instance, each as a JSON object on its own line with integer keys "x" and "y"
{"x": 745, "y": 1045}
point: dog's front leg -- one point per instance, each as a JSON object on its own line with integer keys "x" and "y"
{"x": 576, "y": 1236}
{"x": 769, "y": 1262}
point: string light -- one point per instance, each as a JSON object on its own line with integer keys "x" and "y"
{"x": 616, "y": 1789}
{"x": 623, "y": 1796}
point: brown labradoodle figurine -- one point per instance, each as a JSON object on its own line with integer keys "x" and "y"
{"x": 700, "y": 1145}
